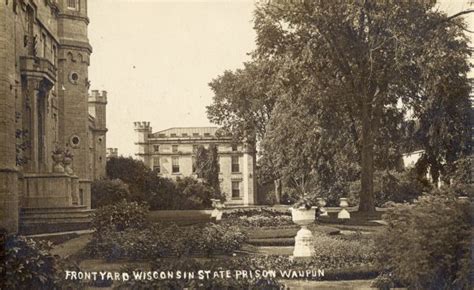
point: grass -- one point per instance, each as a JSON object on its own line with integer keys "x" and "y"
{"x": 182, "y": 218}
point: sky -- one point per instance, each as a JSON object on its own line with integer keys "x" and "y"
{"x": 155, "y": 58}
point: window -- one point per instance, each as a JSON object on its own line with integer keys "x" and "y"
{"x": 235, "y": 189}
{"x": 195, "y": 134}
{"x": 173, "y": 135}
{"x": 174, "y": 148}
{"x": 234, "y": 147}
{"x": 195, "y": 148}
{"x": 235, "y": 164}
{"x": 184, "y": 134}
{"x": 175, "y": 165}
{"x": 194, "y": 163}
{"x": 73, "y": 4}
{"x": 162, "y": 135}
{"x": 75, "y": 141}
{"x": 207, "y": 135}
{"x": 45, "y": 44}
{"x": 156, "y": 148}
{"x": 156, "y": 165}
{"x": 54, "y": 53}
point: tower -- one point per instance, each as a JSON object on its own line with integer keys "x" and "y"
{"x": 143, "y": 130}
{"x": 97, "y": 109}
{"x": 73, "y": 63}
{"x": 9, "y": 198}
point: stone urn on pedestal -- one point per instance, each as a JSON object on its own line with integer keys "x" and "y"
{"x": 58, "y": 157}
{"x": 343, "y": 214}
{"x": 303, "y": 214}
{"x": 217, "y": 212}
{"x": 322, "y": 203}
{"x": 68, "y": 157}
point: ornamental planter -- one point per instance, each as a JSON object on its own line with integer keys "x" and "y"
{"x": 217, "y": 212}
{"x": 58, "y": 159}
{"x": 304, "y": 240}
{"x": 343, "y": 214}
{"x": 67, "y": 165}
{"x": 322, "y": 204}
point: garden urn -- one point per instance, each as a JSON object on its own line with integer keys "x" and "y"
{"x": 68, "y": 165}
{"x": 217, "y": 212}
{"x": 58, "y": 159}
{"x": 322, "y": 204}
{"x": 304, "y": 240}
{"x": 343, "y": 213}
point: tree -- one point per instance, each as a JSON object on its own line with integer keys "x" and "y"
{"x": 105, "y": 192}
{"x": 299, "y": 149}
{"x": 144, "y": 184}
{"x": 207, "y": 166}
{"x": 244, "y": 99}
{"x": 365, "y": 64}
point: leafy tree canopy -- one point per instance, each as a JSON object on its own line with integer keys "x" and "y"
{"x": 344, "y": 78}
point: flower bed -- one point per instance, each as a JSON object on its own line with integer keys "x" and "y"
{"x": 164, "y": 241}
{"x": 263, "y": 211}
{"x": 258, "y": 217}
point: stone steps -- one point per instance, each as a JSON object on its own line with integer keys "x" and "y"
{"x": 50, "y": 220}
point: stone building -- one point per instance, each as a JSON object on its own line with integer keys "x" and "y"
{"x": 44, "y": 106}
{"x": 172, "y": 152}
{"x": 112, "y": 153}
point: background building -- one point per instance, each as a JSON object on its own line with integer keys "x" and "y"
{"x": 44, "y": 105}
{"x": 112, "y": 153}
{"x": 172, "y": 152}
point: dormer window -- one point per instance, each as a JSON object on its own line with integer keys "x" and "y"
{"x": 73, "y": 4}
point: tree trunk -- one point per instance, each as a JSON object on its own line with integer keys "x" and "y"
{"x": 278, "y": 190}
{"x": 367, "y": 201}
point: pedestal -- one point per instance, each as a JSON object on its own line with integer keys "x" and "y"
{"x": 343, "y": 214}
{"x": 304, "y": 243}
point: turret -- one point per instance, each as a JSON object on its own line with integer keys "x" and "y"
{"x": 143, "y": 130}
{"x": 112, "y": 153}
{"x": 73, "y": 64}
{"x": 97, "y": 107}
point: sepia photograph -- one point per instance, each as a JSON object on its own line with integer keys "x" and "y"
{"x": 236, "y": 144}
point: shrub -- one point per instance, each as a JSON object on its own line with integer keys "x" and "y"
{"x": 161, "y": 193}
{"x": 220, "y": 239}
{"x": 193, "y": 194}
{"x": 263, "y": 211}
{"x": 165, "y": 241}
{"x": 335, "y": 253}
{"x": 393, "y": 186}
{"x": 119, "y": 216}
{"x": 28, "y": 264}
{"x": 106, "y": 192}
{"x": 426, "y": 245}
{"x": 262, "y": 221}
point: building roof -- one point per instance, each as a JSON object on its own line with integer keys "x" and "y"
{"x": 180, "y": 132}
